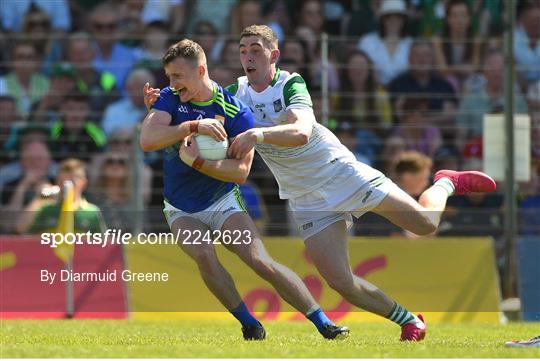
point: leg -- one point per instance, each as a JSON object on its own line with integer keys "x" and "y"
{"x": 214, "y": 275}
{"x": 421, "y": 217}
{"x": 287, "y": 283}
{"x": 329, "y": 252}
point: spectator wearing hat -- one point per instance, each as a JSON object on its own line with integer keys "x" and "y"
{"x": 12, "y": 13}
{"x": 73, "y": 135}
{"x": 24, "y": 82}
{"x": 62, "y": 82}
{"x": 99, "y": 86}
{"x": 129, "y": 111}
{"x": 389, "y": 46}
{"x": 9, "y": 118}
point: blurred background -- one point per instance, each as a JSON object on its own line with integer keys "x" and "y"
{"x": 404, "y": 85}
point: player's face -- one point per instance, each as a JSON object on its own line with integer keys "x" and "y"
{"x": 257, "y": 59}
{"x": 185, "y": 77}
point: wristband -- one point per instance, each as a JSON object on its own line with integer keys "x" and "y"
{"x": 194, "y": 126}
{"x": 259, "y": 134}
{"x": 197, "y": 163}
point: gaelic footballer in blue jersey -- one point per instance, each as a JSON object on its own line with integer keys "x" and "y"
{"x": 201, "y": 195}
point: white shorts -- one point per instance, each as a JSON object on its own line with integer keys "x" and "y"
{"x": 357, "y": 189}
{"x": 213, "y": 216}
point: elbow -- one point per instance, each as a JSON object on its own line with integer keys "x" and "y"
{"x": 146, "y": 145}
{"x": 302, "y": 138}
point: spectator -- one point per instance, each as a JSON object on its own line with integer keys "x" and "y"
{"x": 35, "y": 163}
{"x": 244, "y": 14}
{"x": 294, "y": 54}
{"x": 113, "y": 190}
{"x": 20, "y": 133}
{"x": 62, "y": 82}
{"x": 222, "y": 74}
{"x": 155, "y": 41}
{"x": 412, "y": 172}
{"x": 413, "y": 133}
{"x": 172, "y": 12}
{"x": 24, "y": 82}
{"x": 126, "y": 113}
{"x": 363, "y": 102}
{"x": 12, "y": 13}
{"x": 130, "y": 26}
{"x": 100, "y": 87}
{"x": 110, "y": 54}
{"x": 488, "y": 99}
{"x": 457, "y": 50}
{"x": 37, "y": 29}
{"x": 217, "y": 14}
{"x": 9, "y": 117}
{"x": 73, "y": 135}
{"x": 423, "y": 80}
{"x": 40, "y": 217}
{"x": 389, "y": 46}
{"x": 351, "y": 138}
{"x": 527, "y": 42}
{"x": 229, "y": 58}
{"x": 205, "y": 33}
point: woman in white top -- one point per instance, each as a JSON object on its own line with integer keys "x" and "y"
{"x": 389, "y": 47}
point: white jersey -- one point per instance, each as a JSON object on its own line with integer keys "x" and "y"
{"x": 298, "y": 170}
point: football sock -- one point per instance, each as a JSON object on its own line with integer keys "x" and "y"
{"x": 319, "y": 318}
{"x": 447, "y": 185}
{"x": 242, "y": 314}
{"x": 401, "y": 316}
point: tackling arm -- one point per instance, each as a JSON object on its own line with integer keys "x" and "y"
{"x": 156, "y": 133}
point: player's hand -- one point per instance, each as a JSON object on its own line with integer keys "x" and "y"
{"x": 242, "y": 144}
{"x": 150, "y": 95}
{"x": 213, "y": 128}
{"x": 189, "y": 151}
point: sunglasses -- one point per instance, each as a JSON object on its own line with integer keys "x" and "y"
{"x": 111, "y": 161}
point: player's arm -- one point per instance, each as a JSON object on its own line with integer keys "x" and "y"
{"x": 227, "y": 170}
{"x": 157, "y": 133}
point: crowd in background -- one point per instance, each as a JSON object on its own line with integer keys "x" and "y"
{"x": 409, "y": 83}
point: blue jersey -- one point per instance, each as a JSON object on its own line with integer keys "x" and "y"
{"x": 184, "y": 187}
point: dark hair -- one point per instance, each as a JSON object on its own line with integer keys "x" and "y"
{"x": 447, "y": 46}
{"x": 77, "y": 96}
{"x": 404, "y": 28}
{"x": 413, "y": 104}
{"x": 186, "y": 49}
{"x": 370, "y": 90}
{"x": 73, "y": 166}
{"x": 268, "y": 35}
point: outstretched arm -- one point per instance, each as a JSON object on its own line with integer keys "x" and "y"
{"x": 293, "y": 134}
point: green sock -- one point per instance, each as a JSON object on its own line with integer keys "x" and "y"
{"x": 400, "y": 315}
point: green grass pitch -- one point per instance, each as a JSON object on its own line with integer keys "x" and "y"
{"x": 223, "y": 339}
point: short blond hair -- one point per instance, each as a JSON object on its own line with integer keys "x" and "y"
{"x": 266, "y": 33}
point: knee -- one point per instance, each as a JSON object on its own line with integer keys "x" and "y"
{"x": 425, "y": 226}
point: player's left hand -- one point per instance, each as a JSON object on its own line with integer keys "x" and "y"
{"x": 189, "y": 151}
{"x": 242, "y": 144}
{"x": 150, "y": 95}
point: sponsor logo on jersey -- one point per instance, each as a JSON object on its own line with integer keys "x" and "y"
{"x": 278, "y": 106}
{"x": 259, "y": 106}
{"x": 199, "y": 111}
{"x": 182, "y": 109}
{"x": 307, "y": 226}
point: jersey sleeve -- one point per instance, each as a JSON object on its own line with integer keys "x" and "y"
{"x": 242, "y": 121}
{"x": 166, "y": 101}
{"x": 295, "y": 94}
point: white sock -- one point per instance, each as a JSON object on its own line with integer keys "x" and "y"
{"x": 417, "y": 322}
{"x": 447, "y": 185}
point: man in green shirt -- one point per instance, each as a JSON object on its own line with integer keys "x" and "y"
{"x": 44, "y": 216}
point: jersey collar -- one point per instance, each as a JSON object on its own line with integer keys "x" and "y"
{"x": 276, "y": 77}
{"x": 208, "y": 102}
